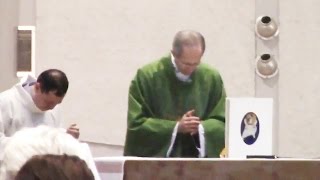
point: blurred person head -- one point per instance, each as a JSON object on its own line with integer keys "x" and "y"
{"x": 37, "y": 141}
{"x": 55, "y": 167}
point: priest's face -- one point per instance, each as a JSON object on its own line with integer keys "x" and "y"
{"x": 189, "y": 59}
{"x": 45, "y": 100}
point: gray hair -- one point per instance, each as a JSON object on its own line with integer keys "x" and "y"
{"x": 187, "y": 38}
{"x": 38, "y": 141}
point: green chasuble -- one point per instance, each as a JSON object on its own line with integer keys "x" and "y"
{"x": 157, "y": 100}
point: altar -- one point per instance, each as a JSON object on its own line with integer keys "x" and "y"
{"x": 135, "y": 168}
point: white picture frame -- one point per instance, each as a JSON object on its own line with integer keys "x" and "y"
{"x": 249, "y": 127}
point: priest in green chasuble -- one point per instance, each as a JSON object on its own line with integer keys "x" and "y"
{"x": 177, "y": 104}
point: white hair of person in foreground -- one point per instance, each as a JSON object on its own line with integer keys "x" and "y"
{"x": 39, "y": 141}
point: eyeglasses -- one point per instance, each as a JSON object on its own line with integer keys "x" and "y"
{"x": 188, "y": 64}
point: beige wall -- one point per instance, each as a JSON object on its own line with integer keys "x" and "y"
{"x": 299, "y": 87}
{"x": 100, "y": 44}
{"x": 13, "y": 13}
{"x": 9, "y": 20}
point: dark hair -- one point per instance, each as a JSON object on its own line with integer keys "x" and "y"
{"x": 53, "y": 80}
{"x": 187, "y": 38}
{"x": 55, "y": 167}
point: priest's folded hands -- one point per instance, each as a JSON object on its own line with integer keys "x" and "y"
{"x": 189, "y": 123}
